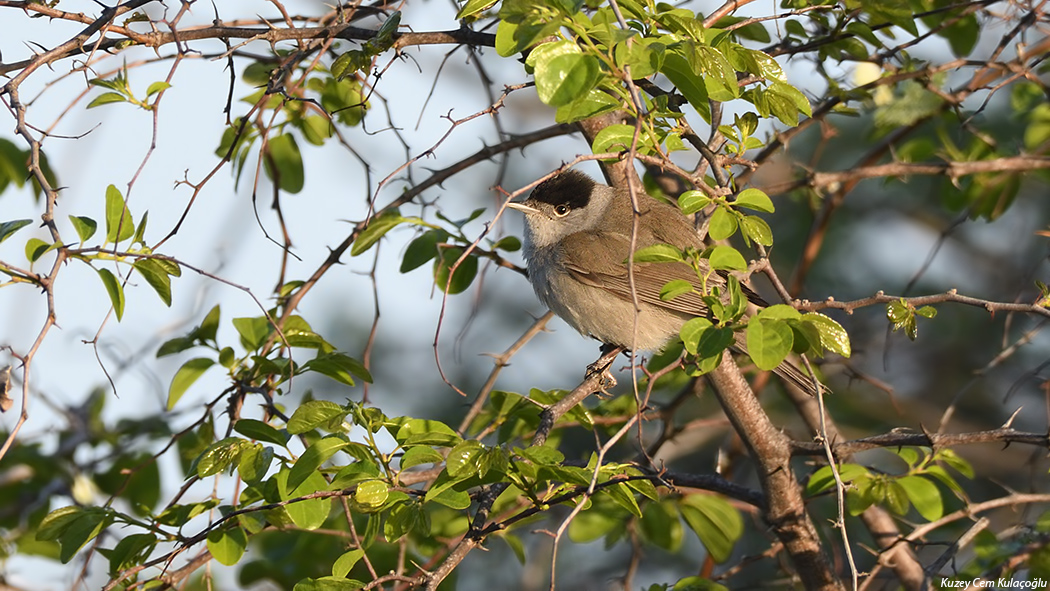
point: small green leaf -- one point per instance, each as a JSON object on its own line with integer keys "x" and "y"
{"x": 924, "y": 496}
{"x": 723, "y": 224}
{"x": 253, "y": 331}
{"x": 833, "y": 337}
{"x": 566, "y": 78}
{"x": 157, "y": 276}
{"x": 36, "y": 248}
{"x": 473, "y": 7}
{"x": 313, "y": 414}
{"x": 220, "y": 456}
{"x": 314, "y": 456}
{"x": 339, "y": 367}
{"x": 463, "y": 459}
{"x": 376, "y": 229}
{"x": 422, "y": 249}
{"x": 140, "y": 230}
{"x": 727, "y": 258}
{"x": 156, "y": 88}
{"x": 284, "y": 156}
{"x": 461, "y": 278}
{"x": 345, "y": 563}
{"x": 115, "y": 291}
{"x": 674, "y": 289}
{"x": 769, "y": 340}
{"x": 691, "y": 202}
{"x": 661, "y": 526}
{"x": 757, "y": 229}
{"x": 658, "y": 253}
{"x": 84, "y": 226}
{"x": 186, "y": 376}
{"x": 754, "y": 199}
{"x": 9, "y": 228}
{"x": 106, "y": 98}
{"x": 420, "y": 454}
{"x": 717, "y": 523}
{"x": 227, "y": 545}
{"x": 119, "y": 225}
{"x": 261, "y": 431}
{"x": 591, "y": 104}
{"x": 426, "y": 432}
{"x": 927, "y": 312}
{"x": 371, "y": 494}
{"x": 617, "y": 138}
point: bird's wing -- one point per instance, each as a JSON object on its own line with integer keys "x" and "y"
{"x": 598, "y": 260}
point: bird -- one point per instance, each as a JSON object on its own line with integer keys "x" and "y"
{"x": 577, "y": 241}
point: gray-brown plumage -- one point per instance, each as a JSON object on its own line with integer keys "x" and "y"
{"x": 577, "y": 242}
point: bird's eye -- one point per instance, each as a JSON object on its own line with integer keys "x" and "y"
{"x": 561, "y": 210}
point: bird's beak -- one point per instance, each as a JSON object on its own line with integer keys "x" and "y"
{"x": 522, "y": 207}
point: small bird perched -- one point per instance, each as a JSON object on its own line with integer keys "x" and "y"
{"x": 577, "y": 242}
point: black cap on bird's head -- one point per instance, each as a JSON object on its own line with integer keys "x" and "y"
{"x": 572, "y": 188}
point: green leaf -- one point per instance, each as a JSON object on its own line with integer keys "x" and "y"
{"x": 924, "y": 496}
{"x": 566, "y": 78}
{"x": 140, "y": 230}
{"x": 345, "y": 563}
{"x": 157, "y": 276}
{"x": 282, "y": 154}
{"x": 659, "y": 253}
{"x": 420, "y": 454}
{"x": 36, "y": 248}
{"x": 833, "y": 337}
{"x": 119, "y": 225}
{"x": 462, "y": 277}
{"x": 130, "y": 551}
{"x": 314, "y": 456}
{"x": 422, "y": 249}
{"x": 727, "y": 258}
{"x": 253, "y": 331}
{"x": 757, "y": 229}
{"x": 661, "y": 526}
{"x": 9, "y": 228}
{"x": 674, "y": 289}
{"x": 617, "y": 138}
{"x": 769, "y": 338}
{"x": 473, "y": 7}
{"x": 186, "y": 376}
{"x": 261, "y": 431}
{"x": 227, "y": 545}
{"x": 823, "y": 479}
{"x": 220, "y": 456}
{"x": 310, "y": 514}
{"x": 313, "y": 414}
{"x": 371, "y": 494}
{"x": 376, "y": 229}
{"x": 754, "y": 199}
{"x": 723, "y": 224}
{"x": 463, "y": 459}
{"x": 106, "y": 98}
{"x": 426, "y": 432}
{"x": 84, "y": 226}
{"x": 591, "y": 104}
{"x": 717, "y": 523}
{"x": 156, "y": 88}
{"x": 691, "y": 202}
{"x": 328, "y": 584}
{"x": 114, "y": 289}
{"x": 705, "y": 340}
{"x": 677, "y": 69}
{"x": 623, "y": 496}
{"x": 339, "y": 367}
